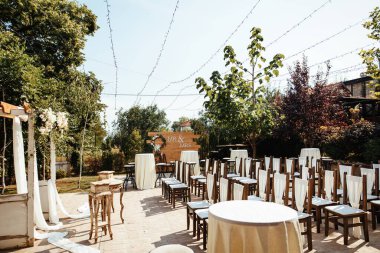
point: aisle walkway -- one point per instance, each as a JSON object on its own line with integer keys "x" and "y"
{"x": 150, "y": 222}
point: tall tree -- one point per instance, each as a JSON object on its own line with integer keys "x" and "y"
{"x": 240, "y": 104}
{"x": 371, "y": 57}
{"x": 132, "y": 127}
{"x": 306, "y": 111}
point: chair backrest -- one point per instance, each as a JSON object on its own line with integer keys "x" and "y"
{"x": 178, "y": 170}
{"x": 302, "y": 194}
{"x": 215, "y": 167}
{"x": 247, "y": 168}
{"x": 330, "y": 185}
{"x": 238, "y": 191}
{"x": 280, "y": 188}
{"x": 276, "y": 165}
{"x": 289, "y": 165}
{"x": 344, "y": 169}
{"x": 211, "y": 187}
{"x": 302, "y": 162}
{"x": 354, "y": 190}
{"x": 267, "y": 162}
{"x": 257, "y": 167}
{"x": 224, "y": 189}
{"x": 263, "y": 184}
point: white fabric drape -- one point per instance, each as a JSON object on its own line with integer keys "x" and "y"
{"x": 279, "y": 187}
{"x": 223, "y": 189}
{"x": 257, "y": 167}
{"x": 247, "y": 167}
{"x": 376, "y": 166}
{"x": 237, "y": 165}
{"x": 267, "y": 162}
{"x": 354, "y": 192}
{"x": 238, "y": 191}
{"x": 19, "y": 157}
{"x": 207, "y": 165}
{"x": 276, "y": 164}
{"x": 222, "y": 169}
{"x": 215, "y": 167}
{"x": 39, "y": 219}
{"x": 370, "y": 173}
{"x": 301, "y": 189}
{"x": 314, "y": 163}
{"x": 302, "y": 161}
{"x": 329, "y": 183}
{"x": 53, "y": 215}
{"x": 210, "y": 184}
{"x": 342, "y": 169}
{"x": 262, "y": 183}
{"x": 289, "y": 164}
{"x": 305, "y": 172}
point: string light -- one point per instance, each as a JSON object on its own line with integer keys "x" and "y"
{"x": 161, "y": 51}
{"x": 112, "y": 48}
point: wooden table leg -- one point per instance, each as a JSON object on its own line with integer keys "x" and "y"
{"x": 96, "y": 219}
{"x": 109, "y": 216}
{"x": 121, "y": 205}
{"x": 91, "y": 215}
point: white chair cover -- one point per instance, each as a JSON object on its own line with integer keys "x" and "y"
{"x": 18, "y": 157}
{"x": 180, "y": 171}
{"x": 237, "y": 164}
{"x": 342, "y": 169}
{"x": 289, "y": 164}
{"x": 279, "y": 187}
{"x": 223, "y": 189}
{"x": 305, "y": 172}
{"x": 238, "y": 191}
{"x": 276, "y": 164}
{"x": 207, "y": 165}
{"x": 302, "y": 161}
{"x": 354, "y": 192}
{"x": 376, "y": 166}
{"x": 258, "y": 164}
{"x": 247, "y": 167}
{"x": 262, "y": 183}
{"x": 215, "y": 167}
{"x": 370, "y": 173}
{"x": 301, "y": 189}
{"x": 329, "y": 183}
{"x": 314, "y": 163}
{"x": 222, "y": 169}
{"x": 267, "y": 162}
{"x": 210, "y": 184}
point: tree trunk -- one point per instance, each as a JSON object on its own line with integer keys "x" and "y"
{"x": 81, "y": 151}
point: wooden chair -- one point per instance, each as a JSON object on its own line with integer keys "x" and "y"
{"x": 191, "y": 207}
{"x": 248, "y": 181}
{"x": 280, "y": 188}
{"x": 301, "y": 201}
{"x": 175, "y": 179}
{"x": 372, "y": 182}
{"x": 263, "y": 186}
{"x": 182, "y": 189}
{"x": 327, "y": 195}
{"x": 161, "y": 168}
{"x": 375, "y": 204}
{"x": 302, "y": 162}
{"x": 347, "y": 212}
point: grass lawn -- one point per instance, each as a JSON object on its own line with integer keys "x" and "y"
{"x": 68, "y": 184}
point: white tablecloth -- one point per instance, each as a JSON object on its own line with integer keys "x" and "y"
{"x": 240, "y": 153}
{"x": 311, "y": 152}
{"x": 191, "y": 156}
{"x": 253, "y": 226}
{"x": 145, "y": 171}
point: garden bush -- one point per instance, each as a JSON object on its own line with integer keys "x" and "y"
{"x": 61, "y": 173}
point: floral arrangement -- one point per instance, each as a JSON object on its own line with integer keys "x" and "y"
{"x": 157, "y": 146}
{"x": 51, "y": 120}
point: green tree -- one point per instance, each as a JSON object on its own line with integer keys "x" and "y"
{"x": 240, "y": 104}
{"x": 371, "y": 57}
{"x": 132, "y": 127}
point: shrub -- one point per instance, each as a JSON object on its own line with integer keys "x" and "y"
{"x": 61, "y": 173}
{"x": 372, "y": 150}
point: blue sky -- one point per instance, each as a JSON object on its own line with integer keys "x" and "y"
{"x": 200, "y": 28}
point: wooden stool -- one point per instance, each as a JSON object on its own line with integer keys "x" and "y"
{"x": 95, "y": 201}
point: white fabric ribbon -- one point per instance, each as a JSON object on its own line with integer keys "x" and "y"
{"x": 237, "y": 165}
{"x": 18, "y": 157}
{"x": 342, "y": 170}
{"x": 305, "y": 172}
{"x": 257, "y": 169}
{"x": 329, "y": 183}
{"x": 276, "y": 164}
{"x": 370, "y": 173}
{"x": 355, "y": 191}
{"x": 289, "y": 164}
{"x": 300, "y": 191}
{"x": 247, "y": 167}
{"x": 262, "y": 183}
{"x": 210, "y": 184}
{"x": 267, "y": 162}
{"x": 222, "y": 169}
{"x": 238, "y": 191}
{"x": 215, "y": 167}
{"x": 223, "y": 189}
{"x": 302, "y": 161}
{"x": 279, "y": 187}
{"x": 207, "y": 165}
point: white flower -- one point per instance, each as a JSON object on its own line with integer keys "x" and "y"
{"x": 62, "y": 121}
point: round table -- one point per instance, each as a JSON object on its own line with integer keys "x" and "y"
{"x": 239, "y": 153}
{"x": 191, "y": 156}
{"x": 145, "y": 171}
{"x": 253, "y": 226}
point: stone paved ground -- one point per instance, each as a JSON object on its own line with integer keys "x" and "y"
{"x": 150, "y": 222}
